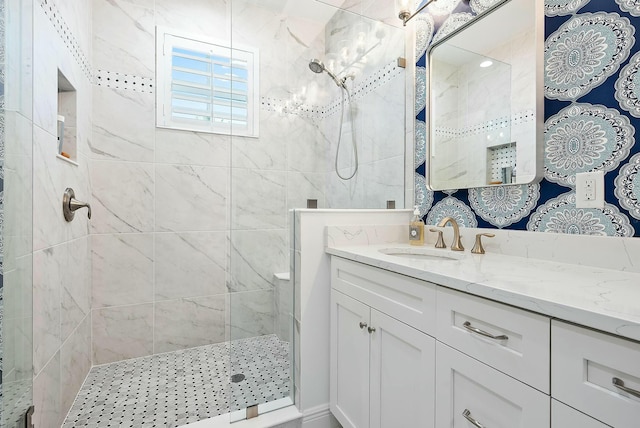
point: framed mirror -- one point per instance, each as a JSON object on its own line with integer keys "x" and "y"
{"x": 486, "y": 96}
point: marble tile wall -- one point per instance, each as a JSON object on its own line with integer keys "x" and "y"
{"x": 368, "y": 51}
{"x": 61, "y": 250}
{"x": 186, "y": 221}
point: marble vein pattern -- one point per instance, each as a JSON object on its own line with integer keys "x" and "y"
{"x": 191, "y": 198}
{"x": 48, "y": 276}
{"x": 584, "y": 52}
{"x": 560, "y": 215}
{"x": 75, "y": 47}
{"x": 255, "y": 256}
{"x": 75, "y": 298}
{"x": 190, "y": 264}
{"x": 117, "y": 132}
{"x": 123, "y": 197}
{"x": 627, "y": 186}
{"x": 122, "y": 269}
{"x": 195, "y": 148}
{"x": 251, "y": 314}
{"x": 75, "y": 362}
{"x": 587, "y": 295}
{"x": 46, "y": 395}
{"x": 258, "y": 198}
{"x": 186, "y": 323}
{"x": 585, "y": 137}
{"x": 118, "y": 26}
{"x": 122, "y": 332}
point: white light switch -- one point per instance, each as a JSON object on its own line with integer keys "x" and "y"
{"x": 590, "y": 189}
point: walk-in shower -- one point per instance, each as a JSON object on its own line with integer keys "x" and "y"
{"x": 174, "y": 302}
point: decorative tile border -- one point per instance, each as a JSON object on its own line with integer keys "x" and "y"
{"x": 517, "y": 118}
{"x": 65, "y": 33}
{"x": 128, "y": 82}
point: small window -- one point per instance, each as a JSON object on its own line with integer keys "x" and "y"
{"x": 206, "y": 86}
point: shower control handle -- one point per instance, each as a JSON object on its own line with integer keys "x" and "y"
{"x": 363, "y": 325}
{"x": 70, "y": 205}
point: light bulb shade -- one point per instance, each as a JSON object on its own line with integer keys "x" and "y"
{"x": 403, "y": 8}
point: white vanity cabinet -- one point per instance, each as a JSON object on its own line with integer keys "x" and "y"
{"x": 470, "y": 393}
{"x": 382, "y": 370}
{"x": 409, "y": 353}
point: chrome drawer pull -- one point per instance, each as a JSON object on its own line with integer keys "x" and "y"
{"x": 473, "y": 329}
{"x": 618, "y": 383}
{"x": 362, "y": 325}
{"x": 467, "y": 416}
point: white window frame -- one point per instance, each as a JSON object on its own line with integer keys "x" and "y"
{"x": 166, "y": 39}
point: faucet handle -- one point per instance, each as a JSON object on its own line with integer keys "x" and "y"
{"x": 478, "y": 248}
{"x": 440, "y": 243}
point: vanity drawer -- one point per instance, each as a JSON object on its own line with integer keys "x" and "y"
{"x": 406, "y": 299}
{"x": 563, "y": 416}
{"x": 521, "y": 348}
{"x": 584, "y": 364}
{"x": 491, "y": 398}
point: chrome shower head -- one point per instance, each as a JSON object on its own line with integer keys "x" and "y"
{"x": 316, "y": 66}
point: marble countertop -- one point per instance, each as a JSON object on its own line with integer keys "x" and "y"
{"x": 604, "y": 299}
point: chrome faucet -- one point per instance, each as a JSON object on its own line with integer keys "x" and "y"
{"x": 457, "y": 243}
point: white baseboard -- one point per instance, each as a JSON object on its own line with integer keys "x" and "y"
{"x": 319, "y": 417}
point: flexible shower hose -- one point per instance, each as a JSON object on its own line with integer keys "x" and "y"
{"x": 353, "y": 136}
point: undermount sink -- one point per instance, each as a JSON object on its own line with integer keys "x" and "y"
{"x": 422, "y": 253}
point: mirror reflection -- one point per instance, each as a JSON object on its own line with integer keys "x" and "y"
{"x": 486, "y": 100}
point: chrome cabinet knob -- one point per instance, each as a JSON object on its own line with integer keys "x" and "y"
{"x": 371, "y": 329}
{"x": 362, "y": 325}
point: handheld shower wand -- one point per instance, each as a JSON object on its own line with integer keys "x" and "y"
{"x": 318, "y": 67}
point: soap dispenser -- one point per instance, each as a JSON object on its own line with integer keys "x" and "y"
{"x": 416, "y": 228}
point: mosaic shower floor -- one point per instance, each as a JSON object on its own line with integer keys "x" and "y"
{"x": 176, "y": 388}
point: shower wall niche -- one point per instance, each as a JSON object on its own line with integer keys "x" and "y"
{"x": 67, "y": 130}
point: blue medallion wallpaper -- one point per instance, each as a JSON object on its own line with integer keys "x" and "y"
{"x": 591, "y": 112}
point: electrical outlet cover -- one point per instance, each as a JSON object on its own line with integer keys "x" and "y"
{"x": 590, "y": 196}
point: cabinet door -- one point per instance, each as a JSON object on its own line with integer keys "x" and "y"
{"x": 402, "y": 375}
{"x": 563, "y": 416}
{"x": 465, "y": 386}
{"x": 349, "y": 370}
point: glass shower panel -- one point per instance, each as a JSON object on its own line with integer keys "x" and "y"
{"x": 329, "y": 80}
{"x": 16, "y": 312}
